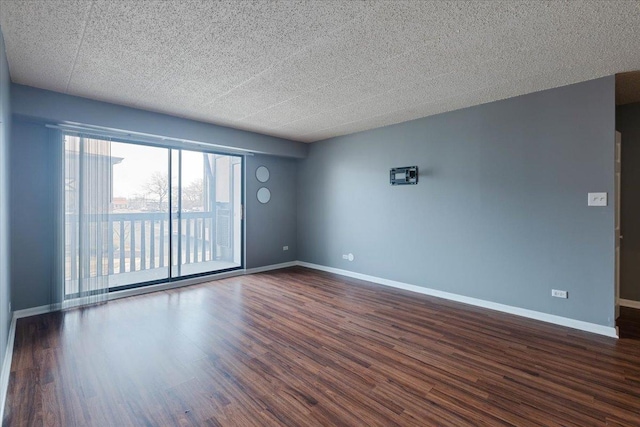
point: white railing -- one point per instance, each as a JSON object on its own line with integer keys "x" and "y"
{"x": 130, "y": 242}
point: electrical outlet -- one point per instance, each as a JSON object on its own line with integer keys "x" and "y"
{"x": 559, "y": 294}
{"x": 597, "y": 199}
{"x": 285, "y": 248}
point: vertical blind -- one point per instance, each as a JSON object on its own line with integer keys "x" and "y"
{"x": 87, "y": 200}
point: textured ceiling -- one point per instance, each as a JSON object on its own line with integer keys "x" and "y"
{"x": 312, "y": 70}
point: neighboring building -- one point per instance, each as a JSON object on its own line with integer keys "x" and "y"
{"x": 100, "y": 159}
{"x": 119, "y": 203}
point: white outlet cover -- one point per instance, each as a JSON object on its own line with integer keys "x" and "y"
{"x": 597, "y": 199}
{"x": 559, "y": 294}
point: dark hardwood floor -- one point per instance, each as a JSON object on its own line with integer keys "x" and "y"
{"x": 297, "y": 347}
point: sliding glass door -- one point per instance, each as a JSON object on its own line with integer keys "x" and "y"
{"x": 156, "y": 213}
{"x": 208, "y": 197}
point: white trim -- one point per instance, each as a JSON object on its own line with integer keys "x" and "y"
{"x": 608, "y": 331}
{"x": 271, "y": 267}
{"x": 6, "y": 367}
{"x": 629, "y": 303}
{"x": 77, "y": 302}
{"x": 34, "y": 311}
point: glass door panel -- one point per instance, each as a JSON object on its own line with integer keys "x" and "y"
{"x": 140, "y": 214}
{"x": 208, "y": 203}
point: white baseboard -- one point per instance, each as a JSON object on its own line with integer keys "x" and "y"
{"x": 549, "y": 318}
{"x": 34, "y": 311}
{"x": 6, "y": 367}
{"x": 608, "y": 331}
{"x": 629, "y": 303}
{"x": 271, "y": 267}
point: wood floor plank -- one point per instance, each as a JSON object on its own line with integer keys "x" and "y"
{"x": 297, "y": 347}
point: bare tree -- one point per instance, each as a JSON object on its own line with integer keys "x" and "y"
{"x": 157, "y": 188}
{"x": 192, "y": 195}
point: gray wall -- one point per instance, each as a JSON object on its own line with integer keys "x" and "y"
{"x": 271, "y": 226}
{"x": 33, "y": 212}
{"x": 33, "y": 178}
{"x": 5, "y": 124}
{"x": 628, "y": 123}
{"x": 500, "y": 212}
{"x": 60, "y": 108}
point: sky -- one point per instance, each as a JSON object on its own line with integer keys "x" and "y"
{"x": 141, "y": 161}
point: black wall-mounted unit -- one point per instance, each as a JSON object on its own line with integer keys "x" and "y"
{"x": 407, "y": 175}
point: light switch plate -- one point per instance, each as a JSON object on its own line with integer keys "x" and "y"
{"x": 597, "y": 199}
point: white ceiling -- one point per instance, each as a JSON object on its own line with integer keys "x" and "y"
{"x": 310, "y": 70}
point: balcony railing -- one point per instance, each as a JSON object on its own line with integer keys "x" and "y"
{"x": 137, "y": 242}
